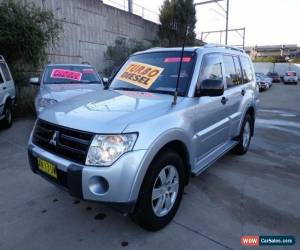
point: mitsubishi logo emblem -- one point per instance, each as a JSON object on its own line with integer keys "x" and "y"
{"x": 54, "y": 139}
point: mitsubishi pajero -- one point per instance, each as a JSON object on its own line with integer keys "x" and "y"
{"x": 165, "y": 115}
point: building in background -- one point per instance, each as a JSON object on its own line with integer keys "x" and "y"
{"x": 284, "y": 51}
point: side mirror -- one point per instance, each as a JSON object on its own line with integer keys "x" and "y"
{"x": 34, "y": 81}
{"x": 105, "y": 81}
{"x": 212, "y": 87}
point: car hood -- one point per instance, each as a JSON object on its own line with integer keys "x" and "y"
{"x": 107, "y": 111}
{"x": 62, "y": 92}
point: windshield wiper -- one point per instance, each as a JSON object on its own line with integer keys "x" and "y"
{"x": 160, "y": 91}
{"x": 128, "y": 89}
{"x": 61, "y": 82}
{"x": 146, "y": 90}
{"x": 91, "y": 82}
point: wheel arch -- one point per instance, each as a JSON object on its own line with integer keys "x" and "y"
{"x": 181, "y": 149}
{"x": 251, "y": 111}
{"x": 175, "y": 140}
{"x": 6, "y": 99}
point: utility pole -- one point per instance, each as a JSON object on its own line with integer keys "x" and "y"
{"x": 130, "y": 9}
{"x": 223, "y": 9}
{"x": 227, "y": 16}
{"x": 244, "y": 35}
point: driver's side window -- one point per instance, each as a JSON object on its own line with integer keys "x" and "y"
{"x": 211, "y": 69}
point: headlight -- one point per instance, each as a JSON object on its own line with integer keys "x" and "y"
{"x": 105, "y": 149}
{"x": 45, "y": 102}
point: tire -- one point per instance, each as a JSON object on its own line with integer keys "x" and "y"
{"x": 245, "y": 136}
{"x": 8, "y": 116}
{"x": 148, "y": 212}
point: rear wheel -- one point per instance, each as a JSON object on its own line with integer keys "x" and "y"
{"x": 161, "y": 191}
{"x": 245, "y": 136}
{"x": 8, "y": 117}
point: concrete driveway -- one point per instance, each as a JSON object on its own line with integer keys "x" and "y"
{"x": 255, "y": 194}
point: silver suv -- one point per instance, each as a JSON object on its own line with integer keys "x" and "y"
{"x": 63, "y": 81}
{"x": 164, "y": 116}
{"x": 7, "y": 94}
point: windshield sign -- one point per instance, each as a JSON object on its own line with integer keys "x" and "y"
{"x": 155, "y": 72}
{"x": 140, "y": 74}
{"x": 66, "y": 74}
{"x": 69, "y": 74}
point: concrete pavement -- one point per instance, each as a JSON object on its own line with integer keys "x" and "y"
{"x": 255, "y": 194}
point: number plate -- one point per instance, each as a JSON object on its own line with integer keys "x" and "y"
{"x": 47, "y": 168}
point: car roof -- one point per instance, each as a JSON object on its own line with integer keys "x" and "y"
{"x": 207, "y": 47}
{"x": 291, "y": 71}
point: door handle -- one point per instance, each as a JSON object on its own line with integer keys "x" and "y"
{"x": 224, "y": 100}
{"x": 243, "y": 92}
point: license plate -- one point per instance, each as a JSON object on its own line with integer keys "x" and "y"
{"x": 47, "y": 168}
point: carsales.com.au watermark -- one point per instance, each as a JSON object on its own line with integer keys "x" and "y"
{"x": 254, "y": 240}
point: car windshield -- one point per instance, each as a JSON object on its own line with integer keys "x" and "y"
{"x": 70, "y": 74}
{"x": 155, "y": 72}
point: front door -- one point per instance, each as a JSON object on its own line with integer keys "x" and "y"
{"x": 212, "y": 128}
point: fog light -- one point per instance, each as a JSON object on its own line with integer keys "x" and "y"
{"x": 98, "y": 185}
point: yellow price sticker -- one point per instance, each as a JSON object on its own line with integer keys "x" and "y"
{"x": 140, "y": 74}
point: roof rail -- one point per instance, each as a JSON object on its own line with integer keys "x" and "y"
{"x": 215, "y": 45}
{"x": 2, "y": 58}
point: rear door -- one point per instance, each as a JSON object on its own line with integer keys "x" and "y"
{"x": 9, "y": 83}
{"x": 235, "y": 90}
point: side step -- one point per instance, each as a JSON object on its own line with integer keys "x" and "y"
{"x": 212, "y": 157}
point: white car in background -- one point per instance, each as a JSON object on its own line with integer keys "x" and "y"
{"x": 63, "y": 81}
{"x": 290, "y": 77}
{"x": 7, "y": 94}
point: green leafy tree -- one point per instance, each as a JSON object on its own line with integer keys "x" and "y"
{"x": 26, "y": 31}
{"x": 177, "y": 18}
{"x": 117, "y": 53}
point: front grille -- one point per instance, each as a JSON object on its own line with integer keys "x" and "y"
{"x": 68, "y": 143}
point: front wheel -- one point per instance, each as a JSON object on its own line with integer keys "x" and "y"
{"x": 245, "y": 136}
{"x": 161, "y": 191}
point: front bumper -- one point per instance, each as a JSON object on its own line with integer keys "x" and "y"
{"x": 113, "y": 185}
{"x": 262, "y": 86}
{"x": 290, "y": 80}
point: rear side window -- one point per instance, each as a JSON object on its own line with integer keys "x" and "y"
{"x": 233, "y": 72}
{"x": 237, "y": 64}
{"x": 5, "y": 71}
{"x": 248, "y": 75}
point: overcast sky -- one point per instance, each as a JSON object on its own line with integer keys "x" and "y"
{"x": 267, "y": 22}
